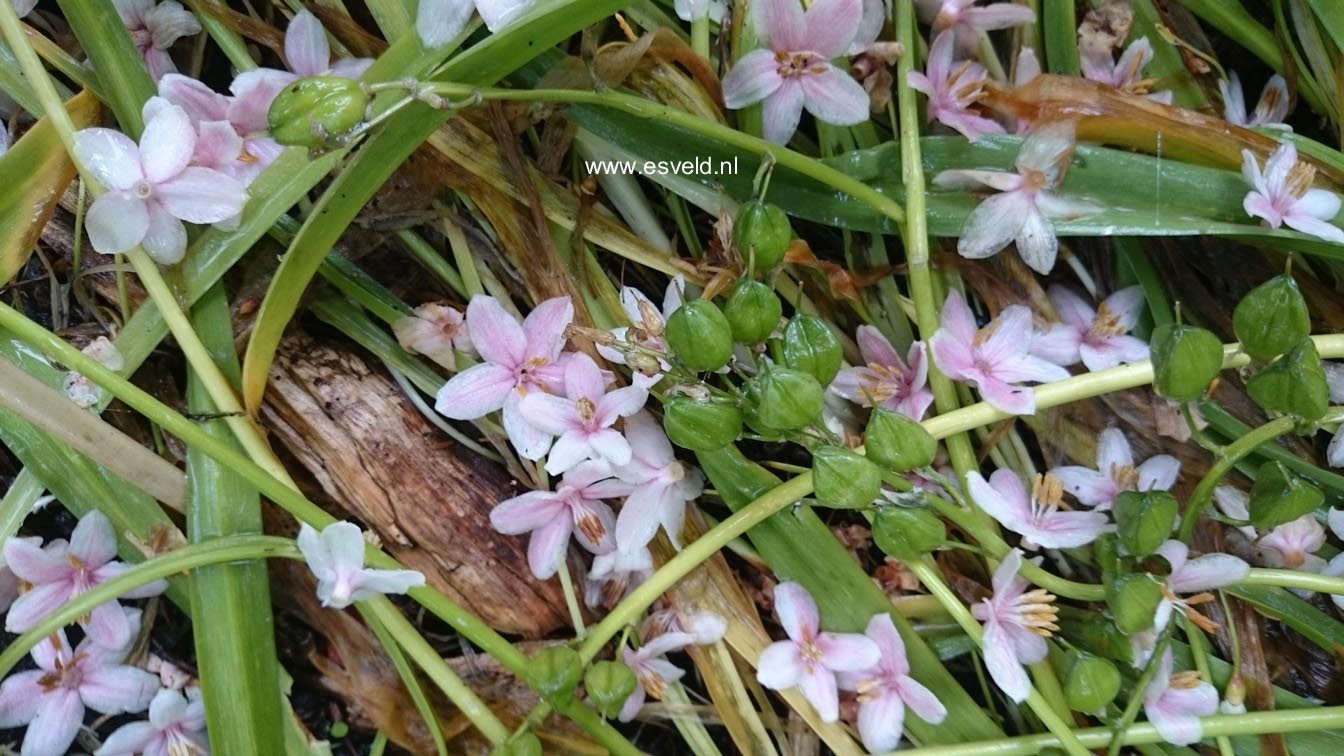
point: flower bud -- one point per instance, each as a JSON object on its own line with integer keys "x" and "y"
{"x": 1279, "y": 496}
{"x": 1133, "y": 600}
{"x": 309, "y": 111}
{"x": 907, "y": 533}
{"x": 762, "y": 233}
{"x": 897, "y": 442}
{"x": 1185, "y": 361}
{"x": 843, "y": 479}
{"x": 1144, "y": 519}
{"x": 753, "y": 310}
{"x": 811, "y": 346}
{"x": 555, "y": 672}
{"x": 1294, "y": 384}
{"x": 1272, "y": 318}
{"x": 519, "y": 744}
{"x": 699, "y": 335}
{"x": 1091, "y": 684}
{"x": 701, "y": 424}
{"x": 783, "y": 399}
{"x": 608, "y": 684}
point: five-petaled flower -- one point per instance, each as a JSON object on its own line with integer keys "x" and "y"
{"x": 583, "y": 418}
{"x": 1125, "y": 74}
{"x": 1270, "y": 110}
{"x": 336, "y": 557}
{"x": 886, "y": 380}
{"x": 810, "y": 659}
{"x": 154, "y": 27}
{"x": 993, "y": 358}
{"x": 575, "y": 508}
{"x": 1283, "y": 194}
{"x": 439, "y": 21}
{"x": 1174, "y": 703}
{"x": 153, "y": 187}
{"x": 518, "y": 360}
{"x": 1026, "y": 201}
{"x": 1116, "y": 472}
{"x": 660, "y": 486}
{"x": 953, "y": 88}
{"x": 51, "y": 699}
{"x": 437, "y": 331}
{"x": 885, "y": 690}
{"x": 62, "y": 570}
{"x": 176, "y": 727}
{"x": 1098, "y": 338}
{"x": 794, "y": 71}
{"x": 1037, "y": 518}
{"x": 1016, "y": 622}
{"x": 246, "y": 152}
{"x": 1194, "y": 576}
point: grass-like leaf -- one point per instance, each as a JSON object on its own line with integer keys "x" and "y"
{"x": 113, "y": 55}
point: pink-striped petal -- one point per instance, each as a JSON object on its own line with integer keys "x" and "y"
{"x": 796, "y": 610}
{"x": 545, "y": 327}
{"x": 780, "y": 24}
{"x": 55, "y": 724}
{"x": 781, "y": 111}
{"x": 306, "y": 48}
{"x": 830, "y": 26}
{"x": 167, "y": 144}
{"x": 752, "y": 79}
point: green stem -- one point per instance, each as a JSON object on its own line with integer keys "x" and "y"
{"x": 1199, "y": 651}
{"x": 1251, "y": 723}
{"x": 700, "y": 36}
{"x": 1227, "y": 458}
{"x": 1136, "y": 693}
{"x": 218, "y": 551}
{"x": 933, "y": 581}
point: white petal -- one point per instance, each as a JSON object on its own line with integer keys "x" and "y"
{"x": 116, "y": 222}
{"x": 166, "y": 238}
{"x": 200, "y": 195}
{"x": 168, "y": 143}
{"x": 438, "y": 22}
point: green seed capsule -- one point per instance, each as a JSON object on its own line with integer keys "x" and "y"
{"x": 1092, "y": 683}
{"x": 555, "y": 672}
{"x": 1133, "y": 600}
{"x": 699, "y": 335}
{"x": 897, "y": 442}
{"x": 1272, "y": 318}
{"x": 783, "y": 399}
{"x": 310, "y": 111}
{"x": 907, "y": 533}
{"x": 1279, "y": 496}
{"x": 608, "y": 684}
{"x": 762, "y": 233}
{"x": 843, "y": 479}
{"x": 753, "y": 310}
{"x": 1185, "y": 361}
{"x": 701, "y": 425}
{"x": 1144, "y": 519}
{"x": 1294, "y": 384}
{"x": 811, "y": 346}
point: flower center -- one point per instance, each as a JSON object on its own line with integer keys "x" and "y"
{"x": 590, "y": 525}
{"x": 653, "y": 684}
{"x": 142, "y": 189}
{"x": 1126, "y": 477}
{"x": 586, "y": 408}
{"x": 1300, "y": 178}
{"x": 1046, "y": 494}
{"x": 1106, "y": 323}
{"x": 1185, "y": 680}
{"x": 180, "y": 745}
{"x": 889, "y": 382}
{"x": 67, "y": 675}
{"x": 965, "y": 93}
{"x": 869, "y": 690}
{"x": 1036, "y": 611}
{"x": 810, "y": 653}
{"x": 650, "y": 320}
{"x": 797, "y": 64}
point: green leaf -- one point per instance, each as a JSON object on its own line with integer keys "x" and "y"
{"x": 1277, "y": 603}
{"x": 798, "y": 546}
{"x": 1060, "y": 22}
{"x": 113, "y": 55}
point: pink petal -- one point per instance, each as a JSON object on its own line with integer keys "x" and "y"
{"x": 953, "y": 356}
{"x": 1003, "y": 666}
{"x": 1036, "y": 242}
{"x": 1113, "y": 450}
{"x": 780, "y": 24}
{"x": 20, "y": 695}
{"x": 1318, "y": 203}
{"x": 876, "y": 348}
{"x": 637, "y": 522}
{"x": 55, "y": 724}
{"x": 1059, "y": 345}
{"x": 956, "y": 317}
{"x": 752, "y": 79}
{"x": 527, "y": 512}
{"x": 779, "y": 666}
{"x": 497, "y": 335}
{"x": 135, "y": 737}
{"x": 351, "y": 68}
{"x": 781, "y": 112}
{"x": 552, "y": 414}
{"x": 1115, "y": 350}
{"x": 796, "y": 610}
{"x": 1028, "y": 368}
{"x": 199, "y": 101}
{"x": 545, "y": 328}
{"x": 622, "y": 402}
{"x": 1008, "y": 337}
{"x": 1013, "y": 400}
{"x": 202, "y": 195}
{"x": 833, "y": 96}
{"x": 1001, "y": 497}
{"x": 26, "y": 558}
{"x": 583, "y": 379}
{"x": 1090, "y": 487}
{"x": 830, "y": 26}
{"x": 253, "y": 93}
{"x": 373, "y": 583}
{"x": 1067, "y": 530}
{"x": 165, "y": 238}
{"x": 306, "y": 48}
{"x": 916, "y": 404}
{"x": 853, "y": 384}
{"x": 610, "y": 445}
{"x": 1044, "y": 150}
{"x": 1073, "y": 309}
{"x": 438, "y": 22}
{"x": 817, "y": 684}
{"x": 475, "y": 392}
{"x": 111, "y": 156}
{"x": 108, "y": 626}
{"x": 630, "y": 709}
{"x": 1127, "y": 303}
{"x": 117, "y": 689}
{"x": 1318, "y": 228}
{"x": 1005, "y": 579}
{"x": 167, "y": 144}
{"x": 546, "y": 549}
{"x": 1208, "y": 572}
{"x": 1159, "y": 473}
{"x": 993, "y": 224}
{"x": 997, "y": 16}
{"x": 648, "y": 442}
{"x": 571, "y": 448}
{"x": 847, "y": 652}
{"x": 921, "y": 700}
{"x": 941, "y": 52}
{"x": 604, "y": 524}
{"x": 528, "y": 440}
{"x": 881, "y": 719}
{"x": 31, "y": 607}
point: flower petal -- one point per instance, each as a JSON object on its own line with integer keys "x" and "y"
{"x": 117, "y": 689}
{"x": 1088, "y": 486}
{"x": 546, "y": 549}
{"x": 166, "y": 238}
{"x": 847, "y": 652}
{"x": 202, "y": 195}
{"x": 528, "y": 440}
{"x": 796, "y": 610}
{"x": 780, "y": 24}
{"x": 35, "y": 604}
{"x": 881, "y": 721}
{"x": 111, "y": 156}
{"x": 830, "y": 27}
{"x": 26, "y": 558}
{"x": 817, "y": 684}
{"x": 1159, "y": 473}
{"x": 751, "y": 79}
{"x": 781, "y": 111}
{"x": 545, "y": 327}
{"x": 475, "y": 392}
{"x": 55, "y": 724}
{"x": 921, "y": 700}
{"x": 438, "y": 22}
{"x": 1036, "y": 242}
{"x": 498, "y": 336}
{"x": 1002, "y": 497}
{"x": 306, "y": 48}
{"x": 1002, "y": 663}
{"x": 1208, "y": 572}
{"x": 779, "y": 666}
{"x": 993, "y": 224}
{"x": 167, "y": 144}
{"x": 116, "y": 222}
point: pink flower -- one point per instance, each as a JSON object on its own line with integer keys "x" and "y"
{"x": 336, "y": 557}
{"x": 437, "y": 331}
{"x": 1016, "y": 622}
{"x": 647, "y": 329}
{"x": 51, "y": 699}
{"x": 967, "y": 20}
{"x": 1125, "y": 74}
{"x": 154, "y": 29}
{"x": 1271, "y": 109}
{"x": 440, "y": 21}
{"x": 1284, "y": 194}
{"x": 176, "y": 727}
{"x": 518, "y": 360}
{"x": 309, "y": 54}
{"x": 795, "y": 71}
{"x": 1116, "y": 472}
{"x": 244, "y": 153}
{"x": 582, "y": 419}
{"x": 1196, "y": 576}
{"x": 886, "y": 380}
{"x": 887, "y": 688}
{"x": 614, "y": 574}
{"x": 653, "y": 671}
{"x": 575, "y": 508}
{"x": 1292, "y": 545}
{"x": 810, "y": 659}
{"x": 660, "y": 486}
{"x": 60, "y": 571}
{"x": 1022, "y": 210}
{"x": 993, "y": 358}
{"x": 1099, "y": 338}
{"x": 152, "y": 188}
{"x": 1036, "y": 518}
{"x": 952, "y": 90}
{"x": 1174, "y": 703}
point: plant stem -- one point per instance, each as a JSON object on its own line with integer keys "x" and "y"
{"x": 572, "y": 600}
{"x": 933, "y": 581}
{"x": 700, "y": 35}
{"x": 1227, "y": 458}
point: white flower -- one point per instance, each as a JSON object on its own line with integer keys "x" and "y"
{"x": 336, "y": 557}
